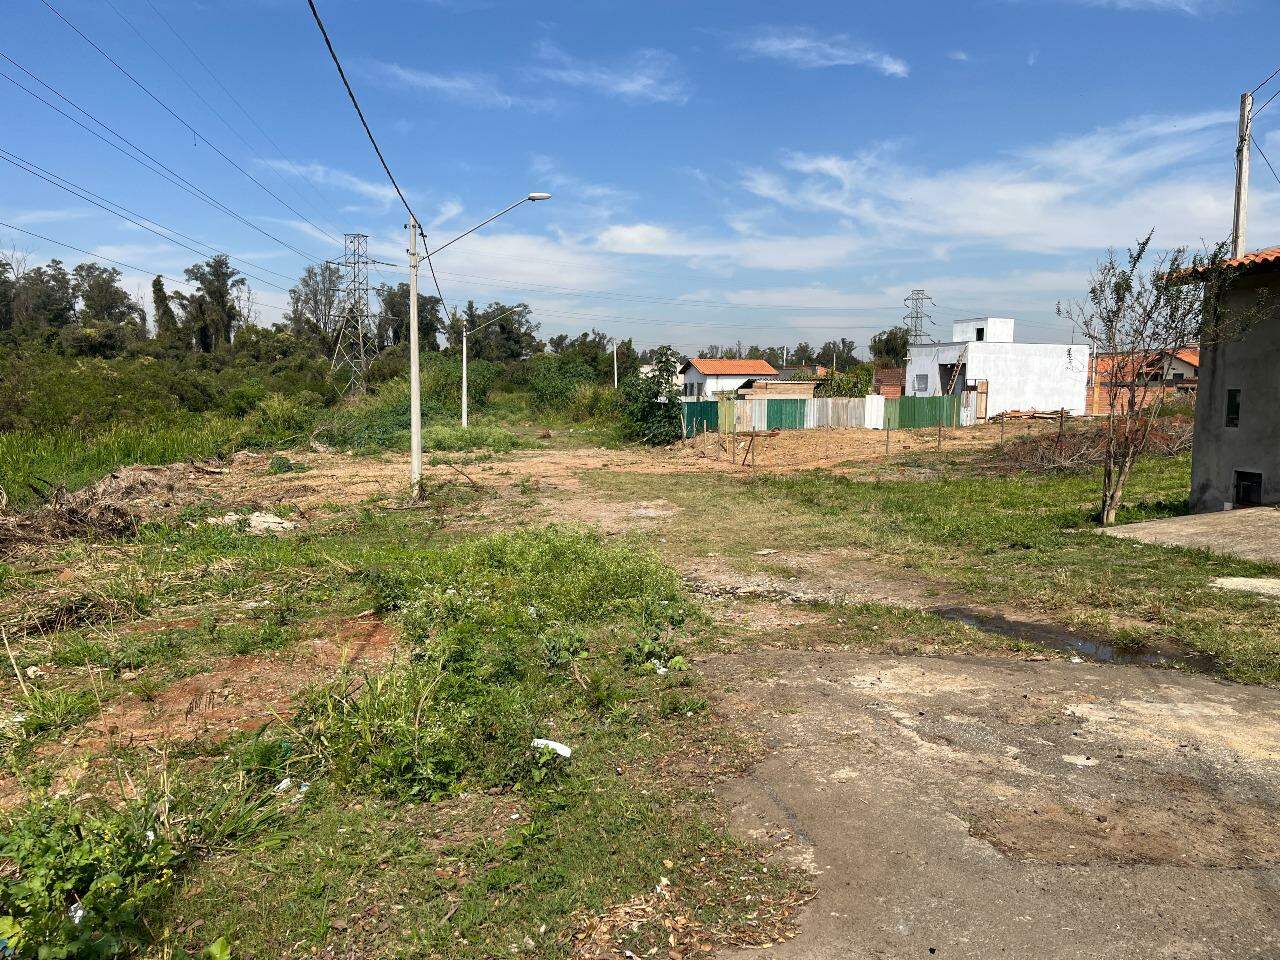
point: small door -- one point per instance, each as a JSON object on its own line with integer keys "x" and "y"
{"x": 1248, "y": 489}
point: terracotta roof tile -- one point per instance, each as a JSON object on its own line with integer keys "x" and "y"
{"x": 732, "y": 368}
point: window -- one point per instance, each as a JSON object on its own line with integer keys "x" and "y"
{"x": 1179, "y": 376}
{"x": 1248, "y": 489}
{"x": 982, "y": 333}
{"x": 922, "y": 383}
{"x": 1233, "y": 408}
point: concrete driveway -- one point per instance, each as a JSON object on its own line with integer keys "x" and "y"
{"x": 1252, "y": 534}
{"x": 983, "y": 808}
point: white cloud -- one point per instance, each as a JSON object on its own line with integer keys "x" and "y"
{"x": 323, "y": 175}
{"x": 473, "y": 89}
{"x": 959, "y": 56}
{"x": 805, "y": 48}
{"x": 762, "y": 252}
{"x": 34, "y": 217}
{"x": 651, "y": 76}
{"x": 1176, "y": 6}
{"x": 1086, "y": 192}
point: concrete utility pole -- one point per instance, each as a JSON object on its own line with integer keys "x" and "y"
{"x": 415, "y": 374}
{"x": 1242, "y": 176}
{"x": 464, "y": 374}
{"x": 615, "y": 365}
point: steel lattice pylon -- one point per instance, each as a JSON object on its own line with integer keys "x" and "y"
{"x": 350, "y": 352}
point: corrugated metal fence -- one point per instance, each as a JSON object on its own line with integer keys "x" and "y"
{"x": 874, "y": 412}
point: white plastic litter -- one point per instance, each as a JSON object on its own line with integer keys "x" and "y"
{"x": 558, "y": 747}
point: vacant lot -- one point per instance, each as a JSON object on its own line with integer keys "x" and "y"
{"x": 317, "y": 742}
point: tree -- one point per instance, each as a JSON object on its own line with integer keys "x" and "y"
{"x": 509, "y": 335}
{"x": 393, "y": 317}
{"x": 213, "y": 313}
{"x": 889, "y": 347}
{"x": 168, "y": 330}
{"x": 107, "y": 320}
{"x": 42, "y": 301}
{"x": 650, "y": 408}
{"x": 1136, "y": 315}
{"x": 315, "y": 307}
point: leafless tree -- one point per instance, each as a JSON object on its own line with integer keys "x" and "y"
{"x": 1142, "y": 307}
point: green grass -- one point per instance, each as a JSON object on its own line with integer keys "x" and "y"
{"x": 31, "y": 462}
{"x": 1023, "y": 539}
{"x": 414, "y": 773}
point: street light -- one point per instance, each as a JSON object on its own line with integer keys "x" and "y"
{"x": 415, "y": 371}
{"x": 465, "y": 334}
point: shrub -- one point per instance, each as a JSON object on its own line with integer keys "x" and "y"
{"x": 649, "y": 407}
{"x": 280, "y": 421}
{"x": 553, "y": 381}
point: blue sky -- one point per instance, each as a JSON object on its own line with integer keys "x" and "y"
{"x": 722, "y": 169}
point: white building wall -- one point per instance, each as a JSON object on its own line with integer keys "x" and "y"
{"x": 1020, "y": 376}
{"x": 704, "y": 387}
{"x": 994, "y": 330}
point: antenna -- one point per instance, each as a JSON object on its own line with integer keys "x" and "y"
{"x": 915, "y": 315}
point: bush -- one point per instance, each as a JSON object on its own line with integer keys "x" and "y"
{"x": 649, "y": 407}
{"x": 850, "y": 383}
{"x": 280, "y": 421}
{"x": 79, "y": 882}
{"x": 510, "y": 633}
{"x": 553, "y": 381}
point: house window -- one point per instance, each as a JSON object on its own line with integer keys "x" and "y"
{"x": 1179, "y": 376}
{"x": 982, "y": 334}
{"x": 1248, "y": 489}
{"x": 922, "y": 383}
{"x": 1233, "y": 407}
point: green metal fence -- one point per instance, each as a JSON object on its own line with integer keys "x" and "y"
{"x": 910, "y": 413}
{"x": 785, "y": 415}
{"x": 701, "y": 416}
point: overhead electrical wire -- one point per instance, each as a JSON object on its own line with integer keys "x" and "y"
{"x": 212, "y": 109}
{"x": 186, "y": 123}
{"x": 234, "y": 99}
{"x": 150, "y": 162}
{"x": 351, "y": 94}
{"x": 137, "y": 219}
{"x": 1265, "y": 104}
{"x": 118, "y": 263}
{"x": 1274, "y": 73}
{"x": 1267, "y": 161}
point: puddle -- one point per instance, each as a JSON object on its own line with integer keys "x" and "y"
{"x": 1068, "y": 641}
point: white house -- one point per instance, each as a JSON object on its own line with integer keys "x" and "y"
{"x": 1019, "y": 376}
{"x": 706, "y": 379}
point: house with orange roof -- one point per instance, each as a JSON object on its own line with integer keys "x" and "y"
{"x": 1235, "y": 459}
{"x": 706, "y": 378}
{"x": 1161, "y": 374}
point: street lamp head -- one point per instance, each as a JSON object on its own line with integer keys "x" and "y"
{"x": 538, "y": 196}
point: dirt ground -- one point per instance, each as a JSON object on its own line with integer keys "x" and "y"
{"x": 969, "y": 806}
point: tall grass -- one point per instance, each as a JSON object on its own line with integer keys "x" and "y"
{"x": 30, "y": 461}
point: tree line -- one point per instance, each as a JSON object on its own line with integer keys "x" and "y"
{"x": 888, "y": 348}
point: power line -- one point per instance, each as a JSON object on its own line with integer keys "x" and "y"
{"x": 413, "y": 217}
{"x": 232, "y": 97}
{"x": 212, "y": 109}
{"x": 1274, "y": 73}
{"x": 194, "y": 132}
{"x": 128, "y": 215}
{"x": 118, "y": 263}
{"x": 1267, "y": 161}
{"x": 1266, "y": 104}
{"x": 151, "y": 163}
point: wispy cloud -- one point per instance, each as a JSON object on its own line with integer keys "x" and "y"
{"x": 805, "y": 48}
{"x": 473, "y": 89}
{"x": 1085, "y": 192}
{"x": 648, "y": 75}
{"x": 960, "y": 56}
{"x": 1192, "y": 7}
{"x": 33, "y": 217}
{"x": 322, "y": 175}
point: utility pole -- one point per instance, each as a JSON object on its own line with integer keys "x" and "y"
{"x": 415, "y": 373}
{"x": 464, "y": 373}
{"x": 1242, "y": 176}
{"x": 615, "y": 365}
{"x": 915, "y": 315}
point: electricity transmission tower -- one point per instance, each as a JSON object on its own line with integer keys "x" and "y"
{"x": 350, "y": 351}
{"x": 915, "y": 315}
